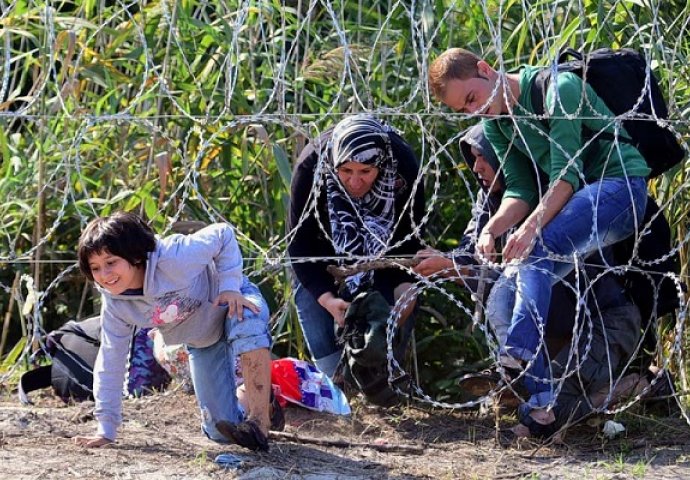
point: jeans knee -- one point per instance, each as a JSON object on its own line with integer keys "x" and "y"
{"x": 250, "y": 333}
{"x": 260, "y": 317}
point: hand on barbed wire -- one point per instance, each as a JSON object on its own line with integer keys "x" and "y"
{"x": 520, "y": 244}
{"x": 486, "y": 245}
{"x": 432, "y": 261}
{"x": 236, "y": 303}
{"x": 95, "y": 441}
{"x": 335, "y": 306}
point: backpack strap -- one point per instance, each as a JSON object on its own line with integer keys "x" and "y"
{"x": 538, "y": 96}
{"x": 569, "y": 52}
{"x": 33, "y": 380}
{"x": 543, "y": 78}
{"x": 90, "y": 334}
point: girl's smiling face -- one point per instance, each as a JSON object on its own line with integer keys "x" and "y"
{"x": 115, "y": 274}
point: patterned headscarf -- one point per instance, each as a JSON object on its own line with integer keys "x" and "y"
{"x": 362, "y": 226}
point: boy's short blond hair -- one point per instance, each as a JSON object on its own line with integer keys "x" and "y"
{"x": 453, "y": 64}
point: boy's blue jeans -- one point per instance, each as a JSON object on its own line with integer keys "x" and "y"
{"x": 213, "y": 367}
{"x": 600, "y": 214}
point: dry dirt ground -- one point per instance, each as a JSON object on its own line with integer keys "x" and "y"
{"x": 160, "y": 439}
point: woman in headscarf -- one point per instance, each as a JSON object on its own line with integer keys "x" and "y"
{"x": 354, "y": 196}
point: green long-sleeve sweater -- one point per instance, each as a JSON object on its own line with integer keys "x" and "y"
{"x": 561, "y": 152}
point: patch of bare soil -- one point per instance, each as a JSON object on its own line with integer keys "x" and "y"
{"x": 161, "y": 439}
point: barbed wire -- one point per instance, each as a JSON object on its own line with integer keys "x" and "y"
{"x": 152, "y": 103}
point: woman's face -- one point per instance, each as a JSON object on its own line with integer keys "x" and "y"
{"x": 357, "y": 178}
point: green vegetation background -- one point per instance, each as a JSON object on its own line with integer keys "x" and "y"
{"x": 197, "y": 110}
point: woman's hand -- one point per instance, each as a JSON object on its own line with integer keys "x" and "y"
{"x": 91, "y": 442}
{"x": 432, "y": 262}
{"x": 236, "y": 303}
{"x": 335, "y": 306}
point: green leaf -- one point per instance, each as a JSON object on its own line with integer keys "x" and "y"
{"x": 150, "y": 206}
{"x": 120, "y": 196}
{"x": 283, "y": 164}
{"x": 14, "y": 354}
{"x": 4, "y": 149}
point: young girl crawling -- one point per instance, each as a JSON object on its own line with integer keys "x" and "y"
{"x": 191, "y": 288}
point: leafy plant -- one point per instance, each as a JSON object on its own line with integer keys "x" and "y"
{"x": 197, "y": 110}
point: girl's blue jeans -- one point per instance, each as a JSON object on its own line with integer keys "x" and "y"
{"x": 213, "y": 368}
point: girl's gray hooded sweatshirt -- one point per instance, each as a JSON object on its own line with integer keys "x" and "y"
{"x": 184, "y": 275}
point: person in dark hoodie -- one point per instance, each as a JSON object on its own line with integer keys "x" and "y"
{"x": 481, "y": 159}
{"x": 462, "y": 264}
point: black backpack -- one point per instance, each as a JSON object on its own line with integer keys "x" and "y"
{"x": 364, "y": 362}
{"x": 650, "y": 289}
{"x": 619, "y": 77}
{"x": 73, "y": 348}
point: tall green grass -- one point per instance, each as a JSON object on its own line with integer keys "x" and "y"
{"x": 198, "y": 110}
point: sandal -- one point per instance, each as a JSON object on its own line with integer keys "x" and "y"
{"x": 482, "y": 383}
{"x": 661, "y": 395}
{"x": 246, "y": 434}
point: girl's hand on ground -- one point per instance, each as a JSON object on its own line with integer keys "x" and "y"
{"x": 236, "y": 303}
{"x": 91, "y": 442}
{"x": 432, "y": 264}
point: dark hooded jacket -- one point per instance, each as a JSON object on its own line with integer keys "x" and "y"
{"x": 486, "y": 204}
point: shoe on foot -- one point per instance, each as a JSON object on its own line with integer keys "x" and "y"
{"x": 277, "y": 415}
{"x": 246, "y": 434}
{"x": 660, "y": 398}
{"x": 537, "y": 429}
{"x": 482, "y": 383}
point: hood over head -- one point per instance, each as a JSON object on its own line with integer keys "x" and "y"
{"x": 474, "y": 137}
